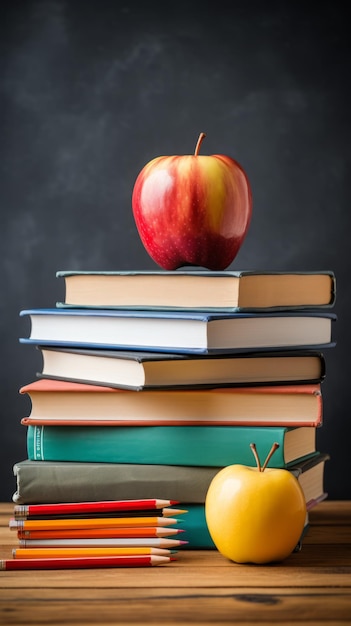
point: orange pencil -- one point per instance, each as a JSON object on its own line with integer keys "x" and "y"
{"x": 99, "y": 532}
{"x": 30, "y": 553}
{"x": 91, "y": 522}
{"x": 86, "y": 562}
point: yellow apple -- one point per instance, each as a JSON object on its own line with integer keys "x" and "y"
{"x": 255, "y": 514}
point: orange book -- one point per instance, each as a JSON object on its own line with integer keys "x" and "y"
{"x": 55, "y": 402}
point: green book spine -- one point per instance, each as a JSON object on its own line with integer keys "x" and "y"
{"x": 214, "y": 446}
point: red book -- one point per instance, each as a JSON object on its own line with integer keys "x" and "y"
{"x": 57, "y": 402}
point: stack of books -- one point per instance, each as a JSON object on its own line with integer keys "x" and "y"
{"x": 153, "y": 381}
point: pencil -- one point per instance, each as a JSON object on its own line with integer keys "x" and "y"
{"x": 167, "y": 512}
{"x": 151, "y": 542}
{"x": 30, "y": 553}
{"x": 21, "y": 510}
{"x": 90, "y": 522}
{"x": 85, "y": 562}
{"x": 99, "y": 532}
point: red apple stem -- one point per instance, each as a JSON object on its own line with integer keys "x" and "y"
{"x": 255, "y": 453}
{"x": 271, "y": 452}
{"x": 199, "y": 142}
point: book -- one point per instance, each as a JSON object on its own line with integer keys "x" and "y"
{"x": 310, "y": 474}
{"x": 198, "y": 289}
{"x": 64, "y": 403}
{"x": 214, "y": 446}
{"x": 146, "y": 370}
{"x": 183, "y": 332}
{"x": 54, "y": 481}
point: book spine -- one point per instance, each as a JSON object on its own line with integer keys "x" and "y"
{"x": 193, "y": 446}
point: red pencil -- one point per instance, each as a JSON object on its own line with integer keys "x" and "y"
{"x": 21, "y": 511}
{"x": 85, "y": 562}
{"x": 167, "y": 512}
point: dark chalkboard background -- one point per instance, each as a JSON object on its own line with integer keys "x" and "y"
{"x": 92, "y": 90}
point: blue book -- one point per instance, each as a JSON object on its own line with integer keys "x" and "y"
{"x": 182, "y": 332}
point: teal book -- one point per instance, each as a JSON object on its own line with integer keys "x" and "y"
{"x": 213, "y": 446}
{"x": 195, "y": 528}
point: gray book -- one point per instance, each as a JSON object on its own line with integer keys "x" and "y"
{"x": 57, "y": 481}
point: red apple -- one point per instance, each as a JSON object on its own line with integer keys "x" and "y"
{"x": 192, "y": 209}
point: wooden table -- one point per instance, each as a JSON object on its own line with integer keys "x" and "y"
{"x": 311, "y": 587}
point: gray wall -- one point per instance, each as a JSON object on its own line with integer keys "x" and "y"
{"x": 92, "y": 90}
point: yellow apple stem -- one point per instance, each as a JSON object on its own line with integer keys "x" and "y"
{"x": 255, "y": 453}
{"x": 254, "y": 450}
{"x": 199, "y": 142}
{"x": 272, "y": 450}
